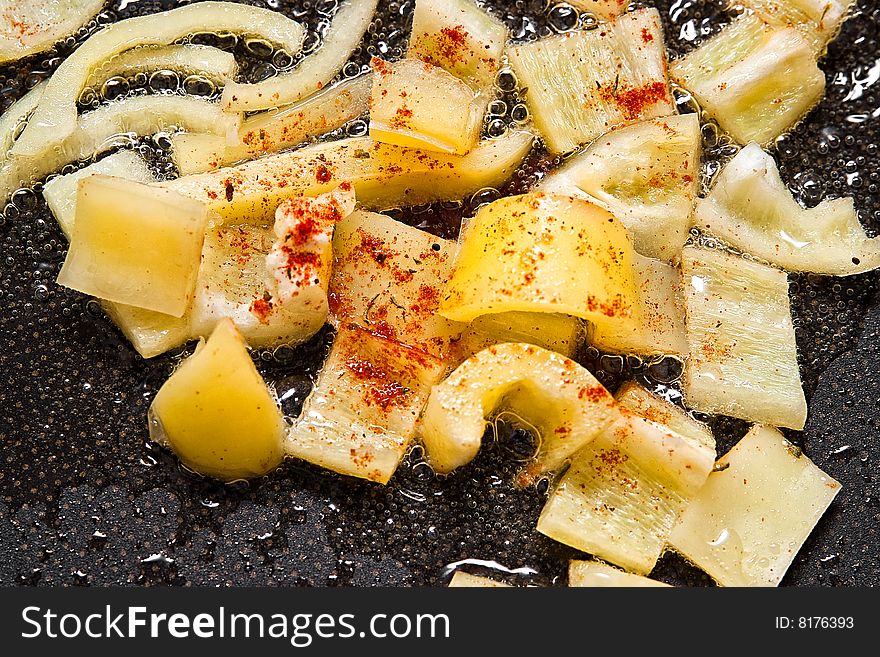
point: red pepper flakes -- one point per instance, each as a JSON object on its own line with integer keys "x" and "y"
{"x": 647, "y": 37}
{"x": 383, "y": 329}
{"x": 633, "y": 102}
{"x": 361, "y": 460}
{"x": 262, "y": 308}
{"x": 401, "y": 118}
{"x": 384, "y": 390}
{"x": 374, "y": 247}
{"x": 612, "y": 457}
{"x": 311, "y": 219}
{"x": 381, "y": 66}
{"x": 594, "y": 394}
{"x": 322, "y": 174}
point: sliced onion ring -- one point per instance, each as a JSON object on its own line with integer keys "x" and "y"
{"x": 276, "y": 130}
{"x": 213, "y": 63}
{"x": 96, "y": 131}
{"x": 313, "y": 73}
{"x": 55, "y": 116}
{"x": 18, "y": 113}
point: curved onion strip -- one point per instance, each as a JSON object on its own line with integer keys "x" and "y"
{"x": 273, "y": 131}
{"x": 31, "y": 26}
{"x": 213, "y": 63}
{"x": 314, "y": 72}
{"x": 55, "y": 117}
{"x": 383, "y": 176}
{"x": 15, "y": 116}
{"x": 95, "y": 132}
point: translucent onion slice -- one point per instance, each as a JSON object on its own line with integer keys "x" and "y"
{"x": 387, "y": 278}
{"x": 757, "y": 81}
{"x": 189, "y": 58}
{"x": 55, "y": 117}
{"x": 361, "y": 416}
{"x": 818, "y": 21}
{"x": 756, "y": 510}
{"x": 312, "y": 74}
{"x": 14, "y": 118}
{"x": 98, "y": 131}
{"x": 660, "y": 328}
{"x": 459, "y": 36}
{"x": 28, "y": 26}
{"x": 275, "y": 130}
{"x": 599, "y": 575}
{"x": 419, "y": 105}
{"x": 646, "y": 175}
{"x": 643, "y": 403}
{"x": 742, "y": 353}
{"x": 621, "y": 496}
{"x": 564, "y": 404}
{"x": 383, "y": 176}
{"x": 544, "y": 252}
{"x": 582, "y": 84}
{"x": 751, "y": 209}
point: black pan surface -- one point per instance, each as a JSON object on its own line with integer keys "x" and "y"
{"x": 85, "y": 499}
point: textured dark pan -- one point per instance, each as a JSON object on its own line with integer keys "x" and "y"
{"x": 85, "y": 499}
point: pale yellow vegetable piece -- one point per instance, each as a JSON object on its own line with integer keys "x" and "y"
{"x": 646, "y": 175}
{"x": 383, "y": 176}
{"x": 661, "y": 329}
{"x": 269, "y": 132}
{"x": 565, "y": 405}
{"x": 387, "y": 278}
{"x": 650, "y": 406}
{"x": 818, "y": 21}
{"x": 757, "y": 509}
{"x": 544, "y": 253}
{"x": 361, "y": 416}
{"x": 560, "y": 333}
{"x": 185, "y": 59}
{"x": 217, "y": 413}
{"x": 28, "y": 27}
{"x": 135, "y": 244}
{"x": 752, "y": 209}
{"x": 582, "y": 84}
{"x": 60, "y": 192}
{"x": 755, "y": 80}
{"x": 55, "y": 117}
{"x": 599, "y": 575}
{"x": 419, "y": 105}
{"x": 104, "y": 128}
{"x": 461, "y": 579}
{"x": 460, "y": 37}
{"x": 149, "y": 332}
{"x": 623, "y": 492}
{"x": 343, "y": 35}
{"x": 742, "y": 353}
